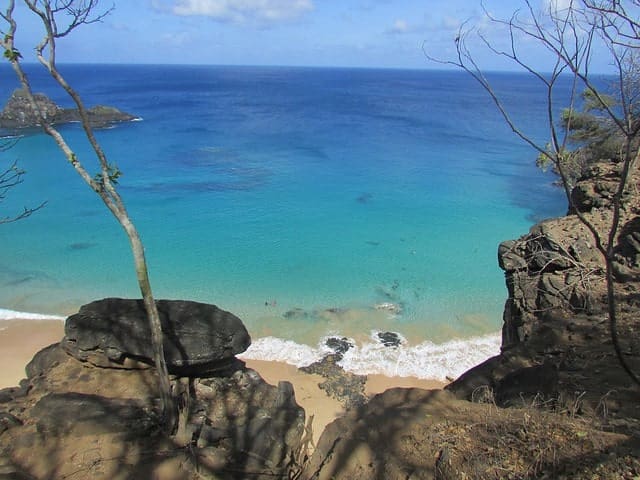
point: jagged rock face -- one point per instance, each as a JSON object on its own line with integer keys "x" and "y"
{"x": 244, "y": 422}
{"x": 555, "y": 268}
{"x": 93, "y": 423}
{"x": 556, "y": 321}
{"x": 198, "y": 338}
{"x": 627, "y": 253}
{"x": 595, "y": 189}
{"x": 18, "y": 113}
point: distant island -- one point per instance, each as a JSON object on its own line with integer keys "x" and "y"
{"x": 18, "y": 113}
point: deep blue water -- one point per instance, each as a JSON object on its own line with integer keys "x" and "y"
{"x": 298, "y": 198}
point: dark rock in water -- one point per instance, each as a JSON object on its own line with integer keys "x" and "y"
{"x": 18, "y": 113}
{"x": 81, "y": 246}
{"x": 389, "y": 339}
{"x": 364, "y": 198}
{"x": 199, "y": 339}
{"x": 295, "y": 313}
{"x": 339, "y": 345}
{"x": 102, "y": 116}
{"x": 345, "y": 387}
{"x": 334, "y": 310}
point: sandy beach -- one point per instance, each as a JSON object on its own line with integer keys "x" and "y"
{"x": 315, "y": 401}
{"x": 21, "y": 339}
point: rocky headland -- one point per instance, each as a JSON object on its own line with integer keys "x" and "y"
{"x": 18, "y": 113}
{"x": 555, "y": 402}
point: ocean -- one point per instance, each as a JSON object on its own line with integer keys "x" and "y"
{"x": 310, "y": 202}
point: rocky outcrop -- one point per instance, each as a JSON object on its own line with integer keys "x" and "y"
{"x": 555, "y": 339}
{"x": 346, "y": 387}
{"x": 18, "y": 113}
{"x": 554, "y": 269}
{"x": 419, "y": 434}
{"x": 198, "y": 338}
{"x": 102, "y": 422}
{"x": 557, "y": 363}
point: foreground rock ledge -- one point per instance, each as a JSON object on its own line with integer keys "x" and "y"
{"x": 412, "y": 434}
{"x": 72, "y": 419}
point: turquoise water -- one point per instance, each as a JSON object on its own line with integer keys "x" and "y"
{"x": 297, "y": 198}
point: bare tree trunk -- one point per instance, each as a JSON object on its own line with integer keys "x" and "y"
{"x": 169, "y": 413}
{"x": 103, "y": 182}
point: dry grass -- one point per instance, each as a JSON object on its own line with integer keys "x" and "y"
{"x": 540, "y": 440}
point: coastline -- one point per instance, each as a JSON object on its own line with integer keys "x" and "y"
{"x": 316, "y": 402}
{"x": 21, "y": 338}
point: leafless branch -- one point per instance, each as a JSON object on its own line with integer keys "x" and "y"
{"x": 10, "y": 178}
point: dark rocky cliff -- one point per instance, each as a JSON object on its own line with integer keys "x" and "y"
{"x": 555, "y": 337}
{"x": 88, "y": 408}
{"x": 569, "y": 400}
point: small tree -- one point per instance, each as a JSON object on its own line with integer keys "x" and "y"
{"x": 572, "y": 34}
{"x": 59, "y": 18}
{"x": 591, "y": 137}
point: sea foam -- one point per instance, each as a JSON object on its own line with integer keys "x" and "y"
{"x": 15, "y": 315}
{"x": 426, "y": 360}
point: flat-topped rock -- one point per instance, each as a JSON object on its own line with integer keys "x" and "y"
{"x": 199, "y": 338}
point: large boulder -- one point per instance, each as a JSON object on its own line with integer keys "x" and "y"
{"x": 199, "y": 339}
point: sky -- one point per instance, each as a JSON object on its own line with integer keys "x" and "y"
{"x": 329, "y": 33}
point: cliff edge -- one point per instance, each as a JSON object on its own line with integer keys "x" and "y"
{"x": 555, "y": 403}
{"x": 556, "y": 341}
